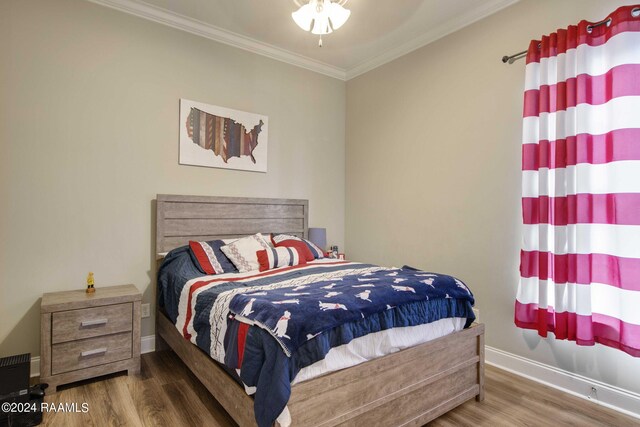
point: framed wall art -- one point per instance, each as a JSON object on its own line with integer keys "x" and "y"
{"x": 220, "y": 137}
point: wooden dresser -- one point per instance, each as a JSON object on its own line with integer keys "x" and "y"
{"x": 87, "y": 335}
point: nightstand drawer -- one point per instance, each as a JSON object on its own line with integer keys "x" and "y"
{"x": 91, "y": 322}
{"x": 74, "y": 355}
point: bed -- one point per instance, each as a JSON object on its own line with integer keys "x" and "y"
{"x": 409, "y": 387}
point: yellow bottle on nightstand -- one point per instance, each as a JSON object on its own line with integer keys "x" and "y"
{"x": 90, "y": 283}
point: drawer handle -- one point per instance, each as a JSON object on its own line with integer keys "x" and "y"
{"x": 93, "y": 322}
{"x": 93, "y": 352}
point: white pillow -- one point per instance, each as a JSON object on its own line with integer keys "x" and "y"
{"x": 242, "y": 252}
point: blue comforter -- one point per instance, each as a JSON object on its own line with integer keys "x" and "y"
{"x": 294, "y": 317}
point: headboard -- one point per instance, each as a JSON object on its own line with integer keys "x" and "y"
{"x": 183, "y": 218}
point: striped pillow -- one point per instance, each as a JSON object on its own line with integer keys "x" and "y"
{"x": 315, "y": 250}
{"x": 209, "y": 259}
{"x": 279, "y": 257}
{"x": 310, "y": 250}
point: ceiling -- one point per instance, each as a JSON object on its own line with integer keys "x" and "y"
{"x": 377, "y": 32}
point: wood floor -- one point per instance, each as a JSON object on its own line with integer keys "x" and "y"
{"x": 167, "y": 394}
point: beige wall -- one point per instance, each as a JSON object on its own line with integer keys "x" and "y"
{"x": 89, "y": 103}
{"x": 433, "y": 171}
{"x": 88, "y": 135}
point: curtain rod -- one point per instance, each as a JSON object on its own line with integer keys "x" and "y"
{"x": 513, "y": 58}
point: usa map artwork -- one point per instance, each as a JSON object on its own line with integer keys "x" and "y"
{"x": 220, "y": 137}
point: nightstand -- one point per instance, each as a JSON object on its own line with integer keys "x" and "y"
{"x": 88, "y": 335}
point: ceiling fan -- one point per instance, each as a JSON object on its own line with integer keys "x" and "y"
{"x": 320, "y": 16}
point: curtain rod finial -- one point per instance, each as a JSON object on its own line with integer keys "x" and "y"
{"x": 505, "y": 59}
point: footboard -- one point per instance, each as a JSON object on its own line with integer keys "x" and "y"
{"x": 407, "y": 388}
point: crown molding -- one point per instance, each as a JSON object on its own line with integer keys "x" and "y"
{"x": 163, "y": 16}
{"x": 443, "y": 29}
{"x": 212, "y": 32}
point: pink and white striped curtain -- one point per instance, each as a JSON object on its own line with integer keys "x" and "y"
{"x": 580, "y": 258}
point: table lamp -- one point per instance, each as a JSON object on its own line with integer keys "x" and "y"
{"x": 318, "y": 236}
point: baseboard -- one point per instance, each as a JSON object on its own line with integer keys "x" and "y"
{"x": 35, "y": 366}
{"x": 147, "y": 345}
{"x": 612, "y": 397}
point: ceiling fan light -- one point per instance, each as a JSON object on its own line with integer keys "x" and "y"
{"x": 321, "y": 16}
{"x": 321, "y": 26}
{"x": 304, "y": 16}
{"x": 338, "y": 15}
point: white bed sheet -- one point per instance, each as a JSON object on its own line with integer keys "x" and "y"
{"x": 379, "y": 344}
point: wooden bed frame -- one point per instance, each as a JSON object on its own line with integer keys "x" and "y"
{"x": 407, "y": 388}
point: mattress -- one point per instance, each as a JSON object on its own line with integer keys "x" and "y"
{"x": 379, "y": 344}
